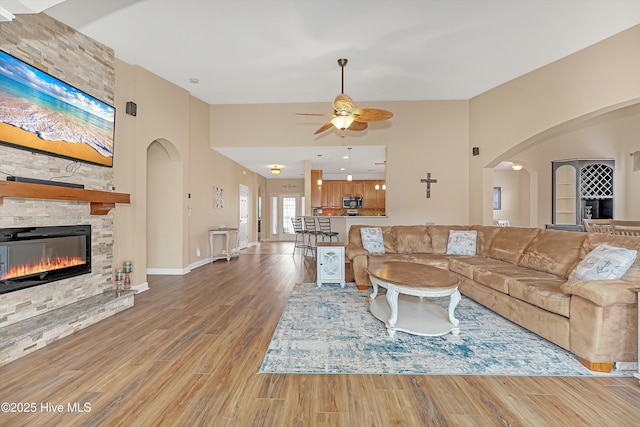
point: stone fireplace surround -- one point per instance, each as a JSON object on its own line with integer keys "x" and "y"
{"x": 90, "y": 66}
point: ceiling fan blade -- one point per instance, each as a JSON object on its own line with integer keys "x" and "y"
{"x": 314, "y": 114}
{"x": 372, "y": 115}
{"x": 358, "y": 126}
{"x": 343, "y": 103}
{"x": 324, "y": 127}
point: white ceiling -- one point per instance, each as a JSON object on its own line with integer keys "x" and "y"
{"x": 280, "y": 51}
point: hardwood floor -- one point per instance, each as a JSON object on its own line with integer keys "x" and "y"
{"x": 188, "y": 354}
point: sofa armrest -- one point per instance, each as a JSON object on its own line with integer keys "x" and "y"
{"x": 352, "y": 251}
{"x": 603, "y": 293}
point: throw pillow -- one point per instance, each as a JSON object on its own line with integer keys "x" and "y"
{"x": 604, "y": 263}
{"x": 462, "y": 242}
{"x": 372, "y": 240}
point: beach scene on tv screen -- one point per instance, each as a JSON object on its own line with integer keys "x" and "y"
{"x": 41, "y": 112}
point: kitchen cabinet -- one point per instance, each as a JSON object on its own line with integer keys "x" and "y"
{"x": 373, "y": 199}
{"x": 333, "y": 191}
{"x": 331, "y": 194}
{"x": 347, "y": 188}
{"x": 352, "y": 188}
{"x": 370, "y": 196}
{"x": 358, "y": 188}
{"x": 381, "y": 200}
{"x": 316, "y": 190}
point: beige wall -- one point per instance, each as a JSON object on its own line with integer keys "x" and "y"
{"x": 514, "y": 186}
{"x": 423, "y": 136}
{"x": 209, "y": 169}
{"x": 164, "y": 160}
{"x": 609, "y": 136}
{"x": 527, "y": 110}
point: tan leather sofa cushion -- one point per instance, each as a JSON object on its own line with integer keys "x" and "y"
{"x": 542, "y": 293}
{"x": 498, "y": 277}
{"x": 412, "y": 239}
{"x": 355, "y": 238}
{"x": 602, "y": 292}
{"x": 553, "y": 251}
{"x": 465, "y": 265}
{"x": 433, "y": 260}
{"x": 486, "y": 234}
{"x": 510, "y": 242}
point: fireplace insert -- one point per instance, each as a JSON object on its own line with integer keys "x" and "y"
{"x": 32, "y": 256}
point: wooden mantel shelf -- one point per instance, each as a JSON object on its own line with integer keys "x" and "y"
{"x": 101, "y": 201}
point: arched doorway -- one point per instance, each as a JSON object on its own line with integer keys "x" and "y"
{"x": 165, "y": 218}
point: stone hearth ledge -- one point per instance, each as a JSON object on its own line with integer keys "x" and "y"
{"x": 26, "y": 336}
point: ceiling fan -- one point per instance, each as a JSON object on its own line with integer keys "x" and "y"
{"x": 346, "y": 116}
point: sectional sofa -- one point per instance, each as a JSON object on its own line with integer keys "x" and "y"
{"x": 523, "y": 275}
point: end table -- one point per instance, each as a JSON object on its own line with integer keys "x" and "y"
{"x": 330, "y": 259}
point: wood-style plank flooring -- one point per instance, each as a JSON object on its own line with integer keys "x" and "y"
{"x": 189, "y": 352}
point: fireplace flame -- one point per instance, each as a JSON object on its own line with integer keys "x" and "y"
{"x": 42, "y": 266}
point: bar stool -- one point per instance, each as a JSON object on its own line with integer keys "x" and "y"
{"x": 299, "y": 230}
{"x": 324, "y": 222}
{"x": 313, "y": 233}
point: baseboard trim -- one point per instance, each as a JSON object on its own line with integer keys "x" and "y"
{"x": 168, "y": 271}
{"x": 141, "y": 287}
{"x": 199, "y": 263}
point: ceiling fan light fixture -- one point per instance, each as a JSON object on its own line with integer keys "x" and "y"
{"x": 342, "y": 122}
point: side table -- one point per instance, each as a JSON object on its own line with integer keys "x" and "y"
{"x": 228, "y": 252}
{"x": 330, "y": 263}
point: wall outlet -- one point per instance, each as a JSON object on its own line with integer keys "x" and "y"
{"x": 198, "y": 252}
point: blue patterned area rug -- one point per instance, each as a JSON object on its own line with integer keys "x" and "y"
{"x": 330, "y": 330}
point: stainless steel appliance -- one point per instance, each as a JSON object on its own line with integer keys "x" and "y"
{"x": 352, "y": 202}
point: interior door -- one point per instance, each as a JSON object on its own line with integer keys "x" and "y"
{"x": 243, "y": 227}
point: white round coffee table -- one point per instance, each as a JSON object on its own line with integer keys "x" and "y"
{"x": 404, "y": 307}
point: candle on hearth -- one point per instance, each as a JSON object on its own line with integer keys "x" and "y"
{"x": 119, "y": 273}
{"x": 127, "y": 266}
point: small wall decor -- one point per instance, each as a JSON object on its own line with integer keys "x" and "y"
{"x": 428, "y": 181}
{"x": 497, "y": 198}
{"x": 218, "y": 198}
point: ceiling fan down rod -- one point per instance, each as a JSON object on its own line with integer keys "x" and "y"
{"x": 342, "y": 62}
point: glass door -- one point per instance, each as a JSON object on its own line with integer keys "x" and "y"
{"x": 283, "y": 208}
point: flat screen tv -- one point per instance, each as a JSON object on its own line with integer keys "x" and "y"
{"x": 40, "y": 113}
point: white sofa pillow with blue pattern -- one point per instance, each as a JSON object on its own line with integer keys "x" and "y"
{"x": 372, "y": 240}
{"x": 604, "y": 263}
{"x": 462, "y": 242}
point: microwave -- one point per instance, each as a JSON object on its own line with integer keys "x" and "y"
{"x": 351, "y": 202}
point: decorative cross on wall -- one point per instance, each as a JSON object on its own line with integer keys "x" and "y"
{"x": 428, "y": 181}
